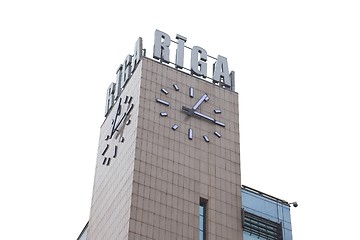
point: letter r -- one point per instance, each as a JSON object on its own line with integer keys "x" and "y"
{"x": 161, "y": 46}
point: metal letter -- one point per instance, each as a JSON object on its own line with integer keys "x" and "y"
{"x": 221, "y": 72}
{"x": 198, "y": 67}
{"x": 109, "y": 98}
{"x": 179, "y": 61}
{"x": 118, "y": 82}
{"x": 161, "y": 46}
{"x": 232, "y": 77}
{"x": 137, "y": 54}
{"x": 126, "y": 73}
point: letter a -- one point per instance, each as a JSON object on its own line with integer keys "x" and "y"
{"x": 221, "y": 72}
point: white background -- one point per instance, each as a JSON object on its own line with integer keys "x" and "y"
{"x": 297, "y": 75}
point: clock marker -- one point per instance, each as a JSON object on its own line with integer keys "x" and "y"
{"x": 128, "y": 122}
{"x": 115, "y": 151}
{"x": 217, "y": 111}
{"x": 206, "y": 138}
{"x": 126, "y": 99}
{"x": 162, "y": 102}
{"x": 163, "y": 114}
{"x": 106, "y": 161}
{"x": 106, "y": 148}
{"x": 191, "y": 92}
{"x": 165, "y": 91}
{"x": 190, "y": 134}
{"x": 217, "y": 134}
{"x": 122, "y": 139}
{"x": 176, "y": 87}
{"x": 175, "y": 127}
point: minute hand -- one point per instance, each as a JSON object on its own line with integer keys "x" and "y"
{"x": 209, "y": 118}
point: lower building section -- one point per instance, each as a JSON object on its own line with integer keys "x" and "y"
{"x": 264, "y": 216}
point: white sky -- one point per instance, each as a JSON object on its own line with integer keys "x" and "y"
{"x": 297, "y": 75}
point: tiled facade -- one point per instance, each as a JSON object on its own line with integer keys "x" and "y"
{"x": 152, "y": 188}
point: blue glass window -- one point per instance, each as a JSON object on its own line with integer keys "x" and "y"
{"x": 202, "y": 220}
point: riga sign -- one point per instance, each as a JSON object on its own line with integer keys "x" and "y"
{"x": 162, "y": 51}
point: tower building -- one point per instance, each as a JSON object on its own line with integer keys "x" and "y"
{"x": 168, "y": 163}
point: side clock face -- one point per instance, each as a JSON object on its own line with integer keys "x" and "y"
{"x": 121, "y": 119}
{"x": 192, "y": 110}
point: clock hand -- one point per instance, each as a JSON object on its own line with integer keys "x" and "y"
{"x": 116, "y": 126}
{"x": 120, "y": 127}
{"x": 118, "y": 112}
{"x": 201, "y": 115}
{"x": 126, "y": 114}
{"x": 204, "y": 116}
{"x": 201, "y": 100}
{"x": 190, "y": 111}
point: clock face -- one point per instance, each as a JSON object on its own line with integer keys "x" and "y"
{"x": 192, "y": 109}
{"x": 122, "y": 118}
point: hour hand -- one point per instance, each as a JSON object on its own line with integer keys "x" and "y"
{"x": 201, "y": 100}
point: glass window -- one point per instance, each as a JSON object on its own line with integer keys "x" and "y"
{"x": 202, "y": 220}
{"x": 261, "y": 228}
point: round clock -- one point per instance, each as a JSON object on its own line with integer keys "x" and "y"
{"x": 193, "y": 110}
{"x": 123, "y": 106}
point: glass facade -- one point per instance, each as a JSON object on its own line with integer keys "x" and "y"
{"x": 264, "y": 216}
